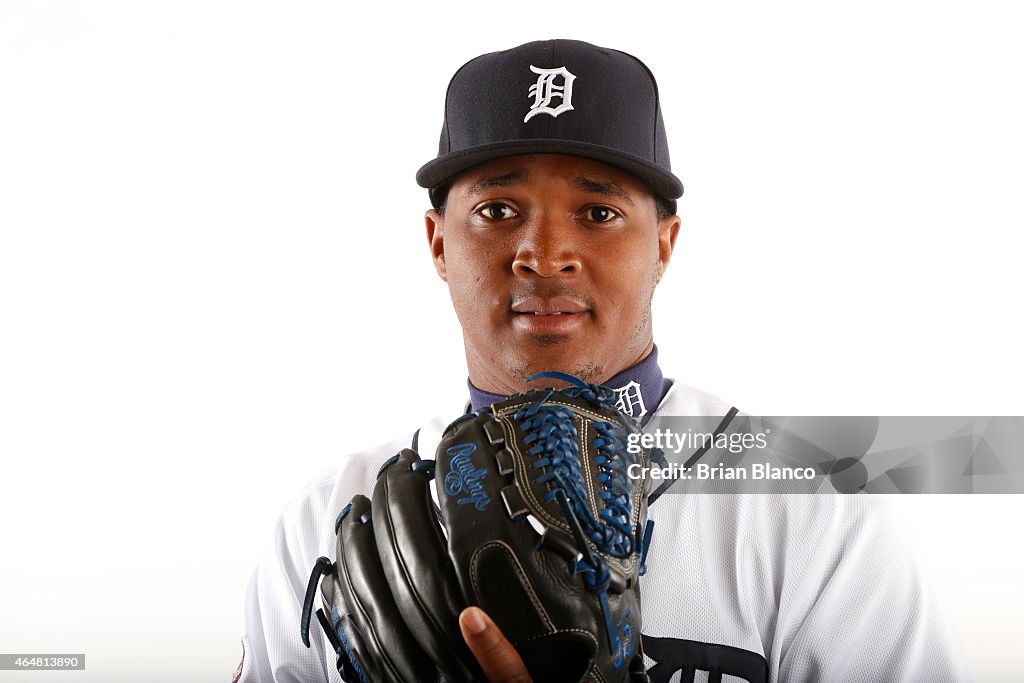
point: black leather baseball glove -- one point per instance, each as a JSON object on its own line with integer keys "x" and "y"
{"x": 537, "y": 522}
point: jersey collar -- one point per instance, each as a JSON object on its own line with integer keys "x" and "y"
{"x": 640, "y": 389}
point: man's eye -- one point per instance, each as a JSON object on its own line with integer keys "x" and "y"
{"x": 497, "y": 212}
{"x": 600, "y": 214}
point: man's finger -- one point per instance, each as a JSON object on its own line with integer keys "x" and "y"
{"x": 499, "y": 660}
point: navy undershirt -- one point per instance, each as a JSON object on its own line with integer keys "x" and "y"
{"x": 638, "y": 399}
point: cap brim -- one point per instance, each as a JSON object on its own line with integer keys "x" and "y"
{"x": 438, "y": 172}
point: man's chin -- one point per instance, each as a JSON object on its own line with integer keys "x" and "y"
{"x": 557, "y": 355}
{"x": 548, "y": 340}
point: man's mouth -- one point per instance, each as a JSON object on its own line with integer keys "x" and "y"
{"x": 545, "y": 306}
{"x": 553, "y": 315}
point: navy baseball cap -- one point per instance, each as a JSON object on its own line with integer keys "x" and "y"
{"x": 558, "y": 97}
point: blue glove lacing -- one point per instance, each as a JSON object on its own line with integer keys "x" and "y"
{"x": 551, "y": 437}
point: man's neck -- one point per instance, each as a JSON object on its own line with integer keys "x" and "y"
{"x": 640, "y": 388}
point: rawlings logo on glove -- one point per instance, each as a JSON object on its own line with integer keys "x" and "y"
{"x": 464, "y": 476}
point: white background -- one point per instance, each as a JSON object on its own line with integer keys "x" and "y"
{"x": 214, "y": 280}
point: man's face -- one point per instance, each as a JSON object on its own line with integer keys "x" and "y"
{"x": 551, "y": 262}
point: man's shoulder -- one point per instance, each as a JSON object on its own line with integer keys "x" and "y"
{"x": 683, "y": 399}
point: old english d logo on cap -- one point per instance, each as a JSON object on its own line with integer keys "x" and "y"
{"x": 547, "y": 87}
{"x": 553, "y": 97}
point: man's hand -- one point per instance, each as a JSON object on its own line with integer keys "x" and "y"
{"x": 499, "y": 660}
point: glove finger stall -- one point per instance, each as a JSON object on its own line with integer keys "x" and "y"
{"x": 414, "y": 556}
{"x": 395, "y": 653}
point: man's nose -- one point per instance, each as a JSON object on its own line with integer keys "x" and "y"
{"x": 548, "y": 248}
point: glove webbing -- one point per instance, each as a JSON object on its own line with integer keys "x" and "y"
{"x": 551, "y": 432}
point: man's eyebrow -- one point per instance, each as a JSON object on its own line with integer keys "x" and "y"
{"x": 609, "y": 188}
{"x": 513, "y": 178}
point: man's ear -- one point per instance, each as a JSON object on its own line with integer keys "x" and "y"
{"x": 668, "y": 230}
{"x": 435, "y": 239}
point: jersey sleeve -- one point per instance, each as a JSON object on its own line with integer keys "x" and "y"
{"x": 272, "y": 648}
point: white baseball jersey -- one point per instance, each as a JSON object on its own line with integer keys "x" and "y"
{"x": 750, "y": 587}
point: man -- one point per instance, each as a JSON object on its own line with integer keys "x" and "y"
{"x": 553, "y": 221}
